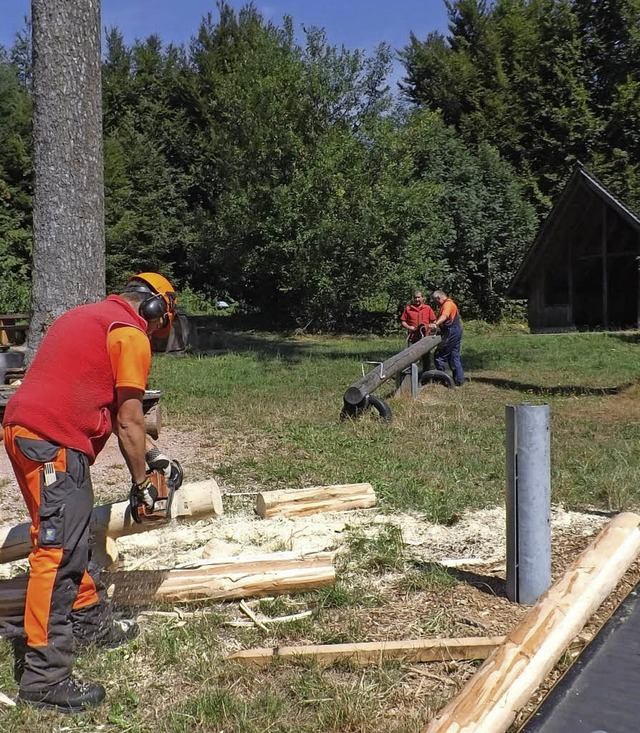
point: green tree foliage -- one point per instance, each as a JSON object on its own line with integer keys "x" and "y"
{"x": 15, "y": 189}
{"x": 279, "y": 174}
{"x": 547, "y": 82}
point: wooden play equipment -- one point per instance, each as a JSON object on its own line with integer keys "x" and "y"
{"x": 358, "y": 398}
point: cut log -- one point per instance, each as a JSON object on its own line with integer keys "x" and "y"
{"x": 105, "y": 552}
{"x": 300, "y": 502}
{"x": 153, "y": 421}
{"x": 191, "y": 502}
{"x": 374, "y": 652}
{"x": 227, "y": 579}
{"x": 506, "y": 680}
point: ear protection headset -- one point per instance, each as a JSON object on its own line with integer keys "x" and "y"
{"x": 153, "y": 308}
{"x": 159, "y": 305}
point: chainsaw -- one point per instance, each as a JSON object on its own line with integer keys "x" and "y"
{"x": 154, "y": 505}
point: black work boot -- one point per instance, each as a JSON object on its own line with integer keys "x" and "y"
{"x": 19, "y": 644}
{"x": 97, "y": 625}
{"x": 69, "y": 696}
{"x": 110, "y": 635}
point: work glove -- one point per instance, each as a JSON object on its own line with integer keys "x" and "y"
{"x": 140, "y": 494}
{"x": 158, "y": 461}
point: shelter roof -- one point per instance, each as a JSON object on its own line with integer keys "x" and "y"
{"x": 573, "y": 200}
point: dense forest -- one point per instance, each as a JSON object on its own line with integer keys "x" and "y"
{"x": 289, "y": 177}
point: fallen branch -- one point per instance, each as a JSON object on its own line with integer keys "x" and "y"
{"x": 276, "y": 620}
{"x": 252, "y": 616}
{"x": 374, "y": 652}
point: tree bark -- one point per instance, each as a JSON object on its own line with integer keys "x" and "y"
{"x": 68, "y": 207}
{"x": 298, "y": 503}
{"x": 505, "y": 682}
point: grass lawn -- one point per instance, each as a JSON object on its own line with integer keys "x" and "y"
{"x": 270, "y": 409}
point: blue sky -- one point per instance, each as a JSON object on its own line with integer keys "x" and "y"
{"x": 354, "y": 23}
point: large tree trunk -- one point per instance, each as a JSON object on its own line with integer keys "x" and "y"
{"x": 68, "y": 208}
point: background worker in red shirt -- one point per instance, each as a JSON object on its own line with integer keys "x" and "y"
{"x": 416, "y": 318}
{"x": 450, "y": 325}
{"x": 86, "y": 381}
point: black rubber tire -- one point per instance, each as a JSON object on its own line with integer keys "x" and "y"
{"x": 435, "y": 376}
{"x": 381, "y": 407}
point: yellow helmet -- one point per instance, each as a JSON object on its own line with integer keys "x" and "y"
{"x": 154, "y": 307}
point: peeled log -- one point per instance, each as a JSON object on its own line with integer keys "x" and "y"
{"x": 300, "y": 502}
{"x": 191, "y": 502}
{"x": 509, "y": 676}
{"x": 224, "y": 579}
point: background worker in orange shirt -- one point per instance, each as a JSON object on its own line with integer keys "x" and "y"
{"x": 450, "y": 325}
{"x": 86, "y": 381}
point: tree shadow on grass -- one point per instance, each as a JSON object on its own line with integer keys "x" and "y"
{"x": 269, "y": 348}
{"x": 567, "y": 390}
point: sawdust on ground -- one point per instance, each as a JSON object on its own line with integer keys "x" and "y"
{"x": 476, "y": 538}
{"x": 474, "y": 548}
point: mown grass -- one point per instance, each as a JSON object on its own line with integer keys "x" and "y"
{"x": 270, "y": 410}
{"x": 274, "y": 404}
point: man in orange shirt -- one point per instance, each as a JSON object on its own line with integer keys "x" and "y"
{"x": 450, "y": 325}
{"x": 86, "y": 381}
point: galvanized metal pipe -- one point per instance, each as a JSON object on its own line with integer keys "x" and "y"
{"x": 528, "y": 502}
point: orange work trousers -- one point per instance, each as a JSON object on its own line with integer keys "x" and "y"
{"x": 56, "y": 487}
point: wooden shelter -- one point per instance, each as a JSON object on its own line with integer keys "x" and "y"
{"x": 581, "y": 272}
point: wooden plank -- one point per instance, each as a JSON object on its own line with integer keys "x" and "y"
{"x": 490, "y": 700}
{"x": 374, "y": 652}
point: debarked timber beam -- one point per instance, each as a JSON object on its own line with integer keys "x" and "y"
{"x": 490, "y": 700}
{"x": 222, "y": 579}
{"x": 357, "y": 392}
{"x": 191, "y": 502}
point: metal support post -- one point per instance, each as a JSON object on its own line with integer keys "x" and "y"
{"x": 528, "y": 502}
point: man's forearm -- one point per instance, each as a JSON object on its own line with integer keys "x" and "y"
{"x": 132, "y": 447}
{"x": 132, "y": 437}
